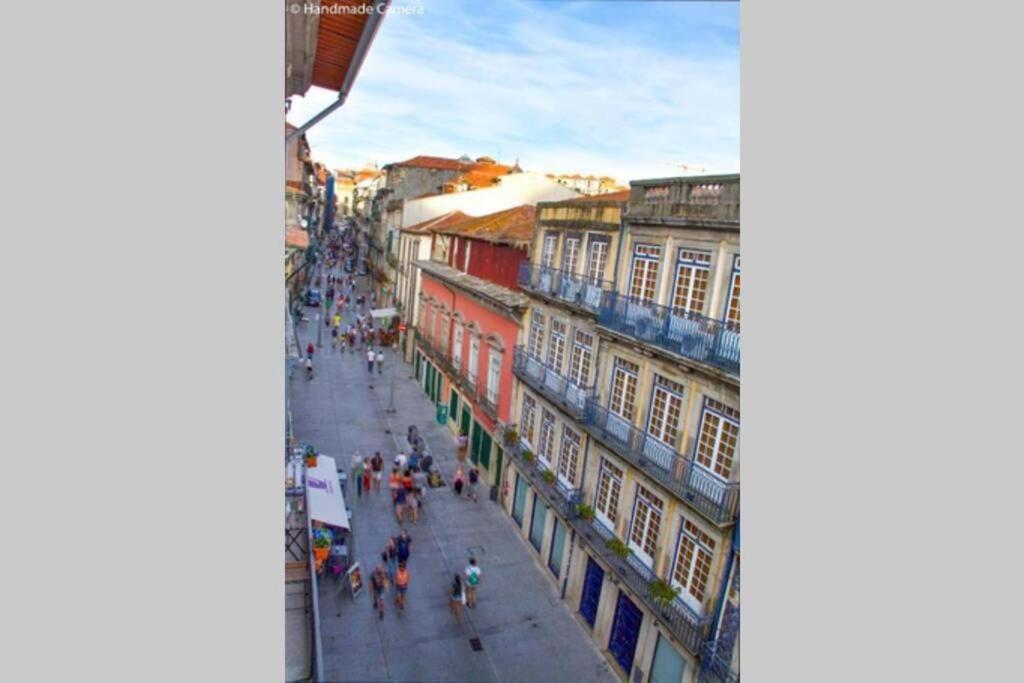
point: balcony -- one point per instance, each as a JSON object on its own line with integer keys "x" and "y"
{"x": 559, "y": 496}
{"x": 714, "y": 668}
{"x": 579, "y": 292}
{"x": 484, "y": 402}
{"x": 707, "y": 494}
{"x": 690, "y": 335}
{"x": 689, "y": 627}
{"x": 550, "y": 384}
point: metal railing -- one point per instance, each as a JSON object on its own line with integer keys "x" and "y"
{"x": 582, "y": 292}
{"x": 682, "y": 621}
{"x": 549, "y": 383}
{"x": 714, "y": 668}
{"x": 690, "y": 335}
{"x": 484, "y": 401}
{"x": 715, "y": 499}
{"x": 561, "y": 497}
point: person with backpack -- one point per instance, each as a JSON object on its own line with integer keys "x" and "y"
{"x": 474, "y": 477}
{"x": 472, "y": 581}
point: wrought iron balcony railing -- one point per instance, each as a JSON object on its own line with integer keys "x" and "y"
{"x": 576, "y": 290}
{"x": 560, "y": 496}
{"x": 690, "y": 335}
{"x": 714, "y": 668}
{"x": 715, "y": 499}
{"x": 484, "y": 401}
{"x": 549, "y": 383}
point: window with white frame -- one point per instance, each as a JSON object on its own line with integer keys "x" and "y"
{"x": 527, "y": 419}
{"x": 445, "y": 326}
{"x": 732, "y": 310}
{"x": 423, "y": 315}
{"x": 570, "y": 254}
{"x": 493, "y": 374}
{"x": 643, "y": 534}
{"x": 719, "y": 436}
{"x": 556, "y": 345}
{"x": 457, "y": 346}
{"x": 474, "y": 357}
{"x": 693, "y": 564}
{"x": 582, "y": 353}
{"x": 546, "y": 444}
{"x": 536, "y": 344}
{"x": 624, "y": 381}
{"x": 643, "y": 282}
{"x": 691, "y": 290}
{"x": 666, "y": 410}
{"x": 609, "y": 490}
{"x": 569, "y": 457}
{"x": 435, "y": 319}
{"x": 547, "y": 257}
{"x": 597, "y": 260}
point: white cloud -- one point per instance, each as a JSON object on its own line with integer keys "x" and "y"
{"x": 563, "y": 97}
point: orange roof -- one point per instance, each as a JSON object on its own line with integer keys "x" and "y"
{"x": 293, "y": 237}
{"x": 438, "y": 224}
{"x": 441, "y": 163}
{"x": 482, "y": 174}
{"x": 509, "y": 226}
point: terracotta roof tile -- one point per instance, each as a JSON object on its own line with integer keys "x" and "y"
{"x": 439, "y": 223}
{"x": 504, "y": 227}
{"x": 442, "y": 163}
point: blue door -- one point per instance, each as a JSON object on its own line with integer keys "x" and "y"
{"x": 625, "y": 632}
{"x": 591, "y": 591}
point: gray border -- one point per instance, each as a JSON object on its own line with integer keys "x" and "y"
{"x": 878, "y": 159}
{"x": 143, "y": 419}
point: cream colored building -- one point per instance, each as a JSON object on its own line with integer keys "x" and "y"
{"x": 649, "y": 459}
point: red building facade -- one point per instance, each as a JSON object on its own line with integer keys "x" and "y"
{"x": 470, "y": 316}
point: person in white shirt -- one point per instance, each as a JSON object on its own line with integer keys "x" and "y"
{"x": 370, "y": 356}
{"x": 472, "y": 581}
{"x": 400, "y": 461}
{"x": 380, "y": 362}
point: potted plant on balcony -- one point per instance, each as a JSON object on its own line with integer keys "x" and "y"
{"x": 585, "y": 512}
{"x": 548, "y": 476}
{"x": 663, "y": 594}
{"x": 618, "y": 548}
{"x": 527, "y": 455}
{"x": 511, "y": 437}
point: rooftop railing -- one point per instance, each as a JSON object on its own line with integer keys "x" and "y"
{"x": 570, "y": 288}
{"x": 691, "y": 335}
{"x": 714, "y": 498}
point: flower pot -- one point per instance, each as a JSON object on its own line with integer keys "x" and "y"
{"x": 321, "y": 554}
{"x": 311, "y": 461}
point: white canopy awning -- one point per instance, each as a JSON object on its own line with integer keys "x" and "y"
{"x": 325, "y": 500}
{"x": 384, "y": 312}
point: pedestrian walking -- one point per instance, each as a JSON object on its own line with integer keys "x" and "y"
{"x": 378, "y": 468}
{"x": 463, "y": 444}
{"x": 336, "y": 320}
{"x": 403, "y": 546}
{"x": 390, "y": 557}
{"x": 359, "y": 479}
{"x": 415, "y": 503}
{"x": 401, "y": 461}
{"x": 393, "y": 483}
{"x": 380, "y": 362}
{"x": 379, "y": 584}
{"x": 367, "y": 475}
{"x": 459, "y": 480}
{"x": 309, "y": 350}
{"x": 334, "y": 337}
{"x": 401, "y": 585}
{"x": 472, "y": 572}
{"x": 370, "y": 356}
{"x": 401, "y": 496}
{"x": 474, "y": 476}
{"x": 456, "y": 599}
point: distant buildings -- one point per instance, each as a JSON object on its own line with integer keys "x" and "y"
{"x": 588, "y": 184}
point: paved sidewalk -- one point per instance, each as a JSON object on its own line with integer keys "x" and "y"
{"x": 527, "y": 632}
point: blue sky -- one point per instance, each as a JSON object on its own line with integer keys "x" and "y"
{"x": 629, "y": 89}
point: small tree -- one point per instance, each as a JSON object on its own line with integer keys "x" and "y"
{"x": 549, "y": 476}
{"x": 618, "y": 548}
{"x": 663, "y": 592}
{"x": 585, "y": 512}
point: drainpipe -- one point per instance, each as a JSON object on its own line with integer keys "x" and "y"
{"x": 362, "y": 48}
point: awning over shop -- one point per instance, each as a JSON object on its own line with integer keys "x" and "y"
{"x": 325, "y": 500}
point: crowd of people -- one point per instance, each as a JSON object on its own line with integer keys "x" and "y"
{"x": 411, "y": 474}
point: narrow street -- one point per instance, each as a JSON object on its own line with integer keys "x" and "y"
{"x": 526, "y": 631}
